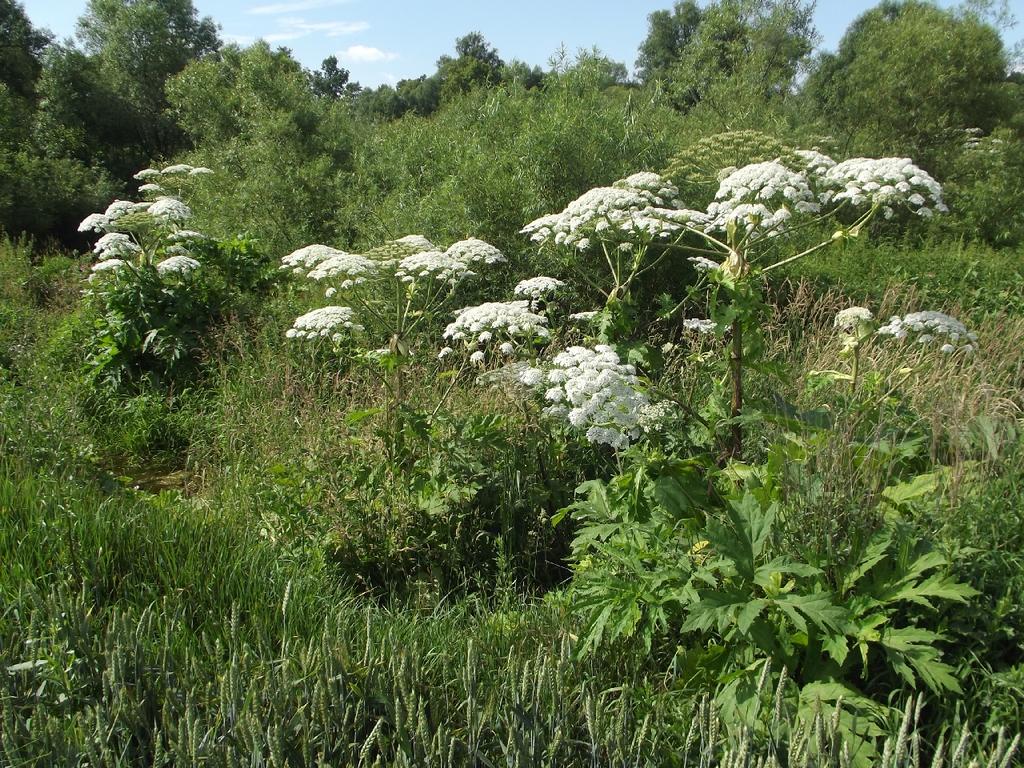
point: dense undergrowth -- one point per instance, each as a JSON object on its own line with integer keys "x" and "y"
{"x": 225, "y": 571}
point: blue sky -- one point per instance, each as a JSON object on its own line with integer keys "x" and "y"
{"x": 381, "y": 41}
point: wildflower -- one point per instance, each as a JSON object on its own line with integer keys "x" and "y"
{"x": 107, "y": 265}
{"x": 352, "y": 266}
{"x": 929, "y": 326}
{"x": 186, "y": 234}
{"x": 146, "y": 173}
{"x": 177, "y": 265}
{"x": 511, "y": 318}
{"x": 814, "y": 162}
{"x": 445, "y": 351}
{"x": 594, "y": 392}
{"x": 174, "y": 169}
{"x": 851, "y": 318}
{"x": 507, "y": 349}
{"x": 432, "y": 265}
{"x": 473, "y": 251}
{"x": 168, "y": 210}
{"x": 97, "y": 222}
{"x": 699, "y": 325}
{"x": 760, "y": 197}
{"x": 643, "y": 204}
{"x": 653, "y": 417}
{"x": 200, "y": 171}
{"x": 116, "y": 244}
{"x": 886, "y": 182}
{"x": 702, "y": 264}
{"x": 323, "y": 322}
{"x": 477, "y": 358}
{"x": 582, "y": 317}
{"x": 537, "y": 288}
{"x": 151, "y": 188}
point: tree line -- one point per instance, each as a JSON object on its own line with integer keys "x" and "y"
{"x": 148, "y": 80}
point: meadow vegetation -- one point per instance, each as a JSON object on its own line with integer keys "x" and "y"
{"x": 513, "y": 416}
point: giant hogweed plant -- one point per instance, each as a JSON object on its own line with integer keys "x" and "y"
{"x": 390, "y": 294}
{"x": 683, "y": 547}
{"x": 145, "y": 278}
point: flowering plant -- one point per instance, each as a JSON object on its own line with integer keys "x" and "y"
{"x": 146, "y": 278}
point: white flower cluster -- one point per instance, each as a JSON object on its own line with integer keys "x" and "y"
{"x": 169, "y": 210}
{"x": 106, "y": 221}
{"x": 511, "y": 318}
{"x": 850, "y": 318}
{"x": 473, "y": 251}
{"x": 354, "y": 268}
{"x": 929, "y": 326}
{"x": 432, "y": 265}
{"x": 107, "y": 265}
{"x": 761, "y": 197}
{"x": 583, "y": 317}
{"x": 116, "y": 245}
{"x": 172, "y": 170}
{"x": 886, "y": 182}
{"x": 184, "y": 235}
{"x": 699, "y": 325}
{"x": 304, "y": 259}
{"x": 322, "y": 323}
{"x": 177, "y": 265}
{"x": 642, "y": 204}
{"x": 537, "y": 288}
{"x": 594, "y": 392}
{"x": 704, "y": 264}
{"x": 814, "y": 162}
{"x": 155, "y": 188}
{"x": 653, "y": 417}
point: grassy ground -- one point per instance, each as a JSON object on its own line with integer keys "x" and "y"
{"x": 200, "y": 577}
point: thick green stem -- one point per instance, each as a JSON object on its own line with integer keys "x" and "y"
{"x": 736, "y": 371}
{"x": 856, "y": 366}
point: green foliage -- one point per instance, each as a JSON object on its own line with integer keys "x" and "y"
{"x": 138, "y": 47}
{"x": 730, "y": 56}
{"x": 909, "y": 77}
{"x": 985, "y": 189}
{"x": 282, "y": 153}
{"x": 696, "y": 166}
{"x": 493, "y": 160}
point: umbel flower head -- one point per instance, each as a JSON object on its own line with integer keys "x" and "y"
{"x": 510, "y": 319}
{"x": 760, "y": 197}
{"x": 177, "y": 265}
{"x": 644, "y": 204}
{"x": 326, "y": 322}
{"x": 852, "y": 318}
{"x": 432, "y": 265}
{"x": 474, "y": 251}
{"x": 304, "y": 259}
{"x": 537, "y": 288}
{"x": 887, "y": 182}
{"x": 594, "y": 392}
{"x": 931, "y": 327}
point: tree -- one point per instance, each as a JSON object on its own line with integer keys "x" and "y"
{"x": 477, "y": 63}
{"x": 733, "y": 55}
{"x": 283, "y": 153}
{"x": 909, "y": 77}
{"x": 332, "y": 81}
{"x": 139, "y": 44}
{"x": 21, "y": 48}
{"x": 668, "y": 35}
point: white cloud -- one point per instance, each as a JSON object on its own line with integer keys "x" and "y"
{"x": 242, "y": 40}
{"x": 329, "y": 28}
{"x": 366, "y": 54}
{"x": 293, "y": 7}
